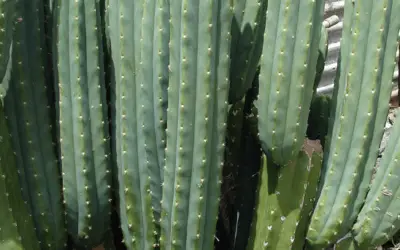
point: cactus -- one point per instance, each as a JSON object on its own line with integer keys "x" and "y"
{"x": 7, "y": 22}
{"x": 139, "y": 119}
{"x": 288, "y": 69}
{"x": 16, "y": 225}
{"x": 197, "y": 111}
{"x": 322, "y": 54}
{"x": 84, "y": 139}
{"x": 359, "y": 110}
{"x": 378, "y": 219}
{"x": 28, "y": 116}
{"x": 153, "y": 97}
{"x": 277, "y": 216}
{"x": 247, "y": 29}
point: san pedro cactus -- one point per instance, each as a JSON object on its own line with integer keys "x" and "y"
{"x": 378, "y": 219}
{"x": 197, "y": 110}
{"x": 140, "y": 118}
{"x": 247, "y": 29}
{"x": 16, "y": 225}
{"x": 280, "y": 201}
{"x": 84, "y": 139}
{"x": 359, "y": 110}
{"x": 28, "y": 116}
{"x": 288, "y": 69}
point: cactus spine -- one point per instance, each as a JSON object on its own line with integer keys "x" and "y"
{"x": 359, "y": 109}
{"x": 197, "y": 111}
{"x": 84, "y": 139}
{"x": 28, "y": 115}
{"x": 288, "y": 69}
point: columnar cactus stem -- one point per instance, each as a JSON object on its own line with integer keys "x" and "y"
{"x": 7, "y": 21}
{"x": 16, "y": 225}
{"x": 84, "y": 139}
{"x": 379, "y": 218}
{"x": 153, "y": 92}
{"x": 28, "y": 115}
{"x": 280, "y": 200}
{"x": 359, "y": 110}
{"x": 288, "y": 69}
{"x": 247, "y": 30}
{"x": 197, "y": 112}
{"x": 139, "y": 76}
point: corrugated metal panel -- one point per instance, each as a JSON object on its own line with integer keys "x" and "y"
{"x": 335, "y": 7}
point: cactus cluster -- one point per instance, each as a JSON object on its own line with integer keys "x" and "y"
{"x": 195, "y": 124}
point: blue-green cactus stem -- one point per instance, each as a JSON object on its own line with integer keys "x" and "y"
{"x": 28, "y": 114}
{"x": 7, "y": 22}
{"x": 17, "y": 231}
{"x": 153, "y": 90}
{"x": 130, "y": 96}
{"x": 248, "y": 25}
{"x": 288, "y": 69}
{"x": 379, "y": 218}
{"x": 360, "y": 105}
{"x": 315, "y": 147}
{"x": 322, "y": 54}
{"x": 84, "y": 139}
{"x": 280, "y": 200}
{"x": 197, "y": 112}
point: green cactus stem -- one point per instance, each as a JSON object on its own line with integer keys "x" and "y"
{"x": 379, "y": 218}
{"x": 7, "y": 21}
{"x": 197, "y": 112}
{"x": 288, "y": 69}
{"x": 248, "y": 25}
{"x": 17, "y": 231}
{"x": 139, "y": 118}
{"x": 27, "y": 110}
{"x": 280, "y": 201}
{"x": 358, "y": 113}
{"x": 84, "y": 140}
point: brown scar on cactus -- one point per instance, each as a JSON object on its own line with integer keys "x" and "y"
{"x": 311, "y": 146}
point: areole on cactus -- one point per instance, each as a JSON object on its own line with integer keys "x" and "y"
{"x": 195, "y": 124}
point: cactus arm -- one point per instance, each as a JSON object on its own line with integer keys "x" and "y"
{"x": 286, "y": 85}
{"x": 27, "y": 109}
{"x": 154, "y": 83}
{"x": 247, "y": 30}
{"x": 359, "y": 109}
{"x": 378, "y": 220}
{"x": 84, "y": 142}
{"x": 197, "y": 110}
